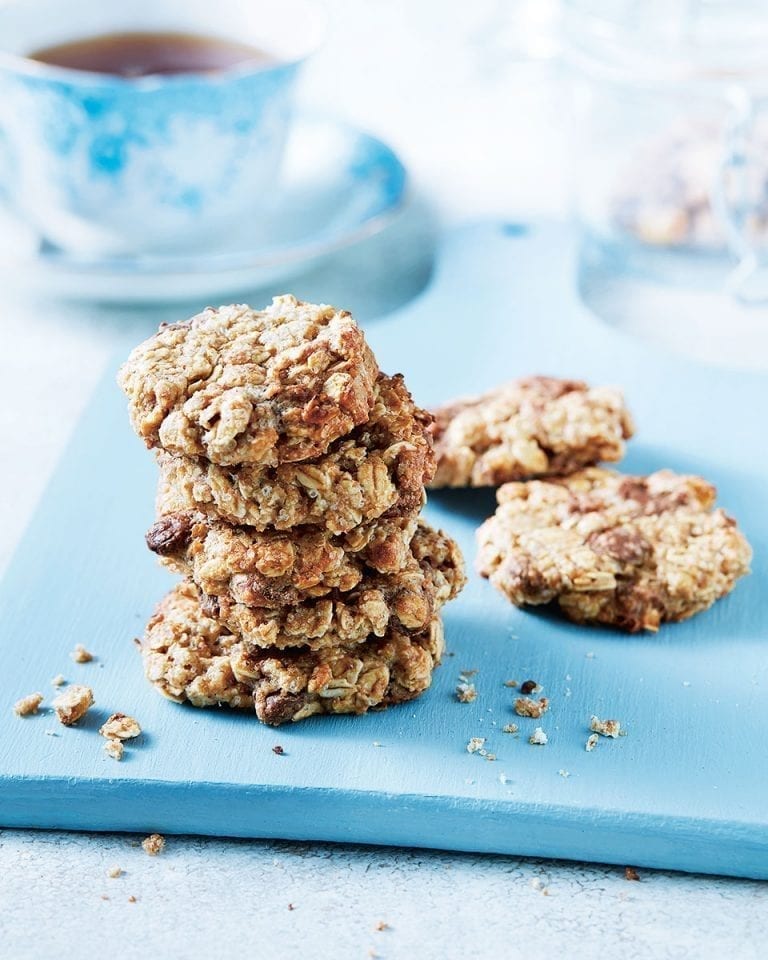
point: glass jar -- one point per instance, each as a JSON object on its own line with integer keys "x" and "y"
{"x": 671, "y": 169}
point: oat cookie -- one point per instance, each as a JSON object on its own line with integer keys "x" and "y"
{"x": 536, "y": 427}
{"x": 190, "y": 657}
{"x": 622, "y": 550}
{"x": 409, "y": 599}
{"x": 237, "y": 385}
{"x": 379, "y": 470}
{"x": 275, "y": 568}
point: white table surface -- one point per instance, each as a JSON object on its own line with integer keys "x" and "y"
{"x": 483, "y": 136}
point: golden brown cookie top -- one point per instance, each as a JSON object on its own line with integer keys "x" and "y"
{"x": 630, "y": 551}
{"x": 540, "y": 426}
{"x": 237, "y": 385}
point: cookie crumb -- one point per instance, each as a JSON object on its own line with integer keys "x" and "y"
{"x": 510, "y": 683}
{"x": 591, "y": 743}
{"x": 525, "y": 707}
{"x": 537, "y": 883}
{"x": 538, "y": 737}
{"x": 631, "y": 874}
{"x": 73, "y": 704}
{"x": 382, "y": 925}
{"x": 114, "y": 749}
{"x": 475, "y": 744}
{"x": 120, "y": 727}
{"x": 59, "y": 680}
{"x": 509, "y": 728}
{"x": 530, "y": 686}
{"x": 28, "y": 705}
{"x": 504, "y": 779}
{"x": 153, "y": 844}
{"x": 104, "y": 896}
{"x": 466, "y": 692}
{"x": 278, "y": 750}
{"x": 607, "y": 728}
{"x": 564, "y": 774}
{"x": 131, "y": 899}
{"x": 114, "y": 872}
{"x": 80, "y": 654}
{"x": 291, "y": 906}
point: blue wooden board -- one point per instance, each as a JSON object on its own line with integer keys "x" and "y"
{"x": 686, "y": 789}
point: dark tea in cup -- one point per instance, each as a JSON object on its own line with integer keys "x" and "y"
{"x": 142, "y": 54}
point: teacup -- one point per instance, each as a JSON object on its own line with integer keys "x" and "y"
{"x": 107, "y": 165}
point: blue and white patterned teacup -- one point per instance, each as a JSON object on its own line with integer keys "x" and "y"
{"x": 105, "y": 165}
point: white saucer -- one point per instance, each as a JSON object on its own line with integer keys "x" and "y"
{"x": 338, "y": 186}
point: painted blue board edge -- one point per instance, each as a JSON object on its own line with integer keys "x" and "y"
{"x": 380, "y": 819}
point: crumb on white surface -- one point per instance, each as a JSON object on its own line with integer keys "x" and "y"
{"x": 153, "y": 844}
{"x": 509, "y": 728}
{"x": 114, "y": 872}
{"x": 27, "y": 706}
{"x": 120, "y": 727}
{"x": 73, "y": 703}
{"x": 526, "y": 707}
{"x": 606, "y": 728}
{"x": 475, "y": 744}
{"x": 564, "y": 774}
{"x": 538, "y": 737}
{"x": 59, "y": 680}
{"x": 510, "y": 683}
{"x": 591, "y": 743}
{"x": 80, "y": 654}
{"x": 114, "y": 749}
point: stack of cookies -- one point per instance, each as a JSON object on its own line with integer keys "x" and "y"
{"x": 626, "y": 551}
{"x": 292, "y": 475}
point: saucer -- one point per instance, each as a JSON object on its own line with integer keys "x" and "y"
{"x": 338, "y": 186}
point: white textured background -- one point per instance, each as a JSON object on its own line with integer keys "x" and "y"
{"x": 483, "y": 135}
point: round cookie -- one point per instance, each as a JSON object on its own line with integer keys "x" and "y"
{"x": 379, "y": 470}
{"x": 190, "y": 657}
{"x": 433, "y": 575}
{"x": 237, "y": 385}
{"x": 536, "y": 427}
{"x": 627, "y": 551}
{"x": 276, "y": 568}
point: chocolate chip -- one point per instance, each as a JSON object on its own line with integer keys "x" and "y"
{"x": 275, "y": 708}
{"x": 528, "y": 686}
{"x": 624, "y": 544}
{"x": 278, "y": 750}
{"x": 169, "y": 534}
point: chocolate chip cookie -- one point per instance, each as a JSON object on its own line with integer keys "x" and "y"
{"x": 190, "y": 657}
{"x": 536, "y": 427}
{"x": 237, "y": 385}
{"x": 410, "y": 598}
{"x": 629, "y": 551}
{"x": 379, "y": 470}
